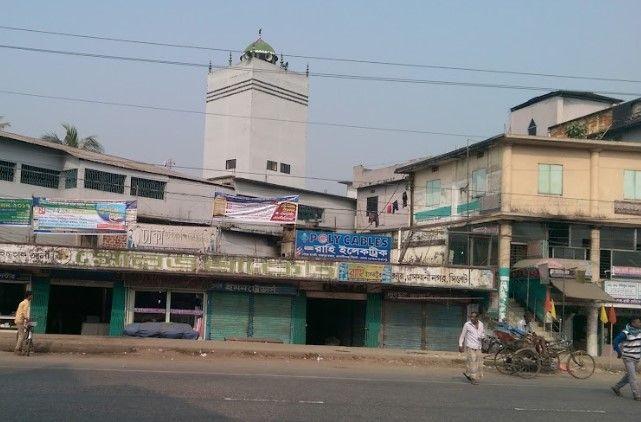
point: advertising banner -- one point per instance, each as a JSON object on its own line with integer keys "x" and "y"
{"x": 172, "y": 238}
{"x": 374, "y": 273}
{"x": 335, "y": 246}
{"x": 89, "y": 217}
{"x": 15, "y": 212}
{"x": 624, "y": 291}
{"x": 282, "y": 210}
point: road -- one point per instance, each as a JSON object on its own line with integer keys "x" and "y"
{"x": 176, "y": 387}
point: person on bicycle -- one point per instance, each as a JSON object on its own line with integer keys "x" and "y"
{"x": 628, "y": 347}
{"x": 22, "y": 319}
{"x": 525, "y": 326}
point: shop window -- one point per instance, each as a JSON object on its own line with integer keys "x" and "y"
{"x": 433, "y": 195}
{"x": 147, "y": 188}
{"x": 185, "y": 308}
{"x": 230, "y": 164}
{"x": 104, "y": 181}
{"x": 550, "y": 179}
{"x": 478, "y": 187}
{"x": 632, "y": 184}
{"x": 568, "y": 253}
{"x": 38, "y": 176}
{"x": 71, "y": 178}
{"x": 7, "y": 171}
{"x": 272, "y": 165}
{"x": 626, "y": 259}
{"x": 150, "y": 306}
{"x": 559, "y": 234}
{"x": 617, "y": 238}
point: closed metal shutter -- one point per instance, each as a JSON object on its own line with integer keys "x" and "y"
{"x": 403, "y": 325}
{"x": 444, "y": 324}
{"x": 229, "y": 315}
{"x": 272, "y": 317}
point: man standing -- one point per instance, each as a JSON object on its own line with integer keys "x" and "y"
{"x": 470, "y": 342}
{"x": 22, "y": 318}
{"x": 628, "y": 347}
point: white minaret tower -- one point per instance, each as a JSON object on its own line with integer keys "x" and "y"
{"x": 256, "y": 122}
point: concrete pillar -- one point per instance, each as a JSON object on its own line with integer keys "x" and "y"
{"x": 595, "y": 253}
{"x": 505, "y": 239}
{"x": 592, "y": 331}
{"x": 506, "y": 178}
{"x": 594, "y": 183}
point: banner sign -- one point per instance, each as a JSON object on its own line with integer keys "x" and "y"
{"x": 90, "y": 217}
{"x": 15, "y": 212}
{"x": 374, "y": 273}
{"x": 626, "y": 272}
{"x": 281, "y": 210}
{"x": 358, "y": 247}
{"x": 624, "y": 291}
{"x": 268, "y": 289}
{"x": 443, "y": 277}
{"x": 172, "y": 238}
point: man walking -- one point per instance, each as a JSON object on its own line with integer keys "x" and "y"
{"x": 628, "y": 347}
{"x": 470, "y": 342}
{"x": 22, "y": 318}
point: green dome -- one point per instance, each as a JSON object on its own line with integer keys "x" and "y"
{"x": 261, "y": 47}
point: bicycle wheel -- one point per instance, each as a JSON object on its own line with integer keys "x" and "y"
{"x": 580, "y": 365}
{"x": 527, "y": 362}
{"x": 28, "y": 346}
{"x": 503, "y": 361}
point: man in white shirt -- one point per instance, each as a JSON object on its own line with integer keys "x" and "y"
{"x": 525, "y": 325}
{"x": 470, "y": 342}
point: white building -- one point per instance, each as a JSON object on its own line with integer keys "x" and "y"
{"x": 256, "y": 123}
{"x": 536, "y": 115}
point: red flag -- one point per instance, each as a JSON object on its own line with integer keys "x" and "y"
{"x": 548, "y": 303}
{"x": 612, "y": 316}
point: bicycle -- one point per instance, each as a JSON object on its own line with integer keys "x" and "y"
{"x": 27, "y": 345}
{"x": 578, "y": 363}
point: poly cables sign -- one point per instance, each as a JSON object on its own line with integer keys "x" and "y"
{"x": 282, "y": 210}
{"x": 64, "y": 216}
{"x": 359, "y": 247}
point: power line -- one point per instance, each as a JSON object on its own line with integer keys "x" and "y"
{"x": 273, "y": 119}
{"x": 324, "y": 58}
{"x": 312, "y": 74}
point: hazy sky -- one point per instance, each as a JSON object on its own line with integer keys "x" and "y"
{"x": 570, "y": 37}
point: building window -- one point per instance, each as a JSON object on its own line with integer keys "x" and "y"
{"x": 147, "y": 188}
{"x": 272, "y": 165}
{"x": 285, "y": 168}
{"x": 71, "y": 178}
{"x": 632, "y": 184}
{"x": 550, "y": 179}
{"x": 309, "y": 213}
{"x": 479, "y": 183}
{"x": 531, "y": 129}
{"x": 372, "y": 204}
{"x": 7, "y": 171}
{"x": 40, "y": 177}
{"x": 230, "y": 164}
{"x": 433, "y": 193}
{"x": 106, "y": 182}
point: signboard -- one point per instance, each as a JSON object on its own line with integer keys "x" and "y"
{"x": 336, "y": 246}
{"x": 628, "y": 208}
{"x": 420, "y": 296}
{"x": 15, "y": 212}
{"x": 282, "y": 210}
{"x": 89, "y": 217}
{"x": 174, "y": 238}
{"x": 376, "y": 273}
{"x": 628, "y": 272}
{"x": 270, "y": 289}
{"x": 443, "y": 277}
{"x": 624, "y": 291}
{"x": 112, "y": 241}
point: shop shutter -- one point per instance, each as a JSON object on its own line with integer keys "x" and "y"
{"x": 444, "y": 324}
{"x": 403, "y": 325}
{"x": 40, "y": 304}
{"x": 118, "y": 299}
{"x": 229, "y": 315}
{"x": 272, "y": 317}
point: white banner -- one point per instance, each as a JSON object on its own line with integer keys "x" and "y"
{"x": 282, "y": 210}
{"x": 173, "y": 238}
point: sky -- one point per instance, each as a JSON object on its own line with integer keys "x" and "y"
{"x": 592, "y": 38}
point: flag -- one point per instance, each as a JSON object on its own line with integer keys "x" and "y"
{"x": 548, "y": 302}
{"x": 612, "y": 316}
{"x": 552, "y": 310}
{"x": 603, "y": 316}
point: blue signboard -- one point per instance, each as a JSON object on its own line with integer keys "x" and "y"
{"x": 358, "y": 247}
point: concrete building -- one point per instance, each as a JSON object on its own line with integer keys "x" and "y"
{"x": 256, "y": 123}
{"x": 536, "y": 115}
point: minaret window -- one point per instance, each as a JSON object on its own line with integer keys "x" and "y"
{"x": 272, "y": 165}
{"x": 285, "y": 168}
{"x": 230, "y": 164}
{"x": 531, "y": 129}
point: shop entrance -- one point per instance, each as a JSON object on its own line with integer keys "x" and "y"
{"x": 336, "y": 322}
{"x": 79, "y": 310}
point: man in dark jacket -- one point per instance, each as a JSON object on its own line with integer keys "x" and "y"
{"x": 628, "y": 347}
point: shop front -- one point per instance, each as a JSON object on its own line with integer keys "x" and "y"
{"x": 13, "y": 286}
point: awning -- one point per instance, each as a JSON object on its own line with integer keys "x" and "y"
{"x": 577, "y": 290}
{"x": 558, "y": 263}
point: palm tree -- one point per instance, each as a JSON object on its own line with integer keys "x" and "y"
{"x": 71, "y": 139}
{"x": 3, "y": 125}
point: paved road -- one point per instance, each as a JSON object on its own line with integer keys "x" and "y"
{"x": 173, "y": 387}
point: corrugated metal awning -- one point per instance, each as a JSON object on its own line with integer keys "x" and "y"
{"x": 577, "y": 290}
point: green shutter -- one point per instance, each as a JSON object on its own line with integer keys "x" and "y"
{"x": 299, "y": 319}
{"x": 229, "y": 315}
{"x": 118, "y": 299}
{"x": 403, "y": 327}
{"x": 544, "y": 178}
{"x": 637, "y": 185}
{"x": 444, "y": 324}
{"x": 629, "y": 181}
{"x": 40, "y": 304}
{"x": 373, "y": 319}
{"x": 272, "y": 318}
{"x": 556, "y": 180}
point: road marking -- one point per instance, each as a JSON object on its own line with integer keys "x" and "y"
{"x": 273, "y": 400}
{"x": 521, "y": 409}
